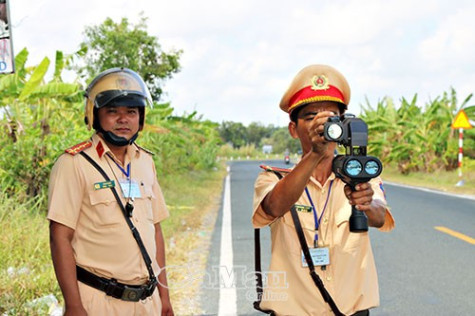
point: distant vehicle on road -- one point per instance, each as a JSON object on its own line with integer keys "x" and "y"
{"x": 287, "y": 159}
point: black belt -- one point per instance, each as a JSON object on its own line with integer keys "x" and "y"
{"x": 362, "y": 313}
{"x": 124, "y": 292}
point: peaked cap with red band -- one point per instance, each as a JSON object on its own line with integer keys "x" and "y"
{"x": 316, "y": 83}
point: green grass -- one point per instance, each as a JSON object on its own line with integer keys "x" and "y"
{"x": 24, "y": 239}
{"x": 188, "y": 197}
{"x": 438, "y": 180}
{"x": 25, "y": 254}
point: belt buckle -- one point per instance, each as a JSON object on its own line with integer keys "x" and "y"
{"x": 131, "y": 294}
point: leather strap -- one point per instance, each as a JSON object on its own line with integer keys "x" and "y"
{"x": 316, "y": 279}
{"x": 133, "y": 229}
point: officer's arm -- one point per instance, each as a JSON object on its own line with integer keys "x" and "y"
{"x": 288, "y": 190}
{"x": 65, "y": 267}
{"x": 162, "y": 277}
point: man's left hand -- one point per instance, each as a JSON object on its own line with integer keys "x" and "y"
{"x": 361, "y": 197}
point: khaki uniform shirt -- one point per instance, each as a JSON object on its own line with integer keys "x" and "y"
{"x": 103, "y": 243}
{"x": 350, "y": 278}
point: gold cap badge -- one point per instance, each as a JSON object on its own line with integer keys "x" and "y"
{"x": 319, "y": 82}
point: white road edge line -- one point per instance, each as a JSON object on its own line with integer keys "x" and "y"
{"x": 227, "y": 295}
{"x": 462, "y": 196}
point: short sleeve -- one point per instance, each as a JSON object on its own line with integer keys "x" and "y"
{"x": 265, "y": 182}
{"x": 379, "y": 193}
{"x": 65, "y": 191}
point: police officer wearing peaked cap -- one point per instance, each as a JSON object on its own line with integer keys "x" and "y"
{"x": 343, "y": 260}
{"x": 100, "y": 190}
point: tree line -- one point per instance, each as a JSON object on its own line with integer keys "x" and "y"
{"x": 41, "y": 117}
{"x": 257, "y": 135}
{"x": 415, "y": 137}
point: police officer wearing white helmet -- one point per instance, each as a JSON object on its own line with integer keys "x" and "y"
{"x": 105, "y": 208}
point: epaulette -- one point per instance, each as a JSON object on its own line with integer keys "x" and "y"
{"x": 269, "y": 168}
{"x": 145, "y": 149}
{"x": 78, "y": 147}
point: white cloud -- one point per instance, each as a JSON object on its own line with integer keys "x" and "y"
{"x": 239, "y": 57}
{"x": 452, "y": 43}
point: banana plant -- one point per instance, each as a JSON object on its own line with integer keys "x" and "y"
{"x": 415, "y": 137}
{"x": 181, "y": 143}
{"x": 35, "y": 111}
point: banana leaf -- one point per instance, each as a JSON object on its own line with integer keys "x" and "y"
{"x": 35, "y": 79}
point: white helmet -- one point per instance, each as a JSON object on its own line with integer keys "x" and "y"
{"x": 121, "y": 86}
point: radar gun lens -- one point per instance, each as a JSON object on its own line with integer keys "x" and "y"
{"x": 353, "y": 167}
{"x": 371, "y": 167}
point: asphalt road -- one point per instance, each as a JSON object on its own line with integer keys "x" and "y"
{"x": 422, "y": 270}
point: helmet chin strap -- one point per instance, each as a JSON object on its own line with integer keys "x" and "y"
{"x": 117, "y": 140}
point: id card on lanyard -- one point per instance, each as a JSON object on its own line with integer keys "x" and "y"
{"x": 320, "y": 255}
{"x": 130, "y": 188}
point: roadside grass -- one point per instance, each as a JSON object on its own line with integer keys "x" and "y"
{"x": 438, "y": 180}
{"x": 193, "y": 203}
{"x": 26, "y": 271}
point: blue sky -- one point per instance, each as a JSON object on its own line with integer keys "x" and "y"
{"x": 240, "y": 56}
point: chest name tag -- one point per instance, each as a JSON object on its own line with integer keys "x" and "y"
{"x": 104, "y": 185}
{"x": 303, "y": 208}
{"x": 130, "y": 189}
{"x": 320, "y": 257}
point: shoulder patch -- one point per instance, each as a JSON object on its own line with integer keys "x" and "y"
{"x": 78, "y": 147}
{"x": 269, "y": 168}
{"x": 144, "y": 149}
